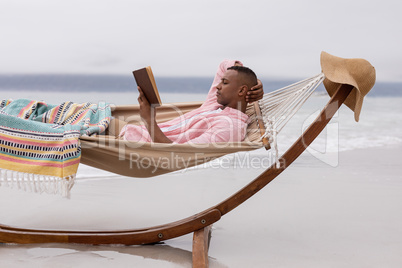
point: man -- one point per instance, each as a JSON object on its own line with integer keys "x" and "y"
{"x": 221, "y": 118}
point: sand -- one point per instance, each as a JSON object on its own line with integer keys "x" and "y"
{"x": 313, "y": 215}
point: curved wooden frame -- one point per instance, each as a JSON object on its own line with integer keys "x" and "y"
{"x": 191, "y": 224}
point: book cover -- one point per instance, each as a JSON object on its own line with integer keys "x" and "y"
{"x": 146, "y": 81}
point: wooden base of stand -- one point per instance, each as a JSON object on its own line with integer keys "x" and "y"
{"x": 201, "y": 240}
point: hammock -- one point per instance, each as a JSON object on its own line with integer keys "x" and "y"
{"x": 150, "y": 159}
{"x": 352, "y": 79}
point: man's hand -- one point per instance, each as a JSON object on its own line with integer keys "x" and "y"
{"x": 148, "y": 115}
{"x": 145, "y": 108}
{"x": 255, "y": 93}
{"x": 238, "y": 63}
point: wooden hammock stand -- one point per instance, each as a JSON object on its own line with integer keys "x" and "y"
{"x": 199, "y": 224}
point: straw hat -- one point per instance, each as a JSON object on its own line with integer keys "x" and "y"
{"x": 355, "y": 72}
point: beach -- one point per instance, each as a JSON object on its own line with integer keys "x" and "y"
{"x": 338, "y": 205}
{"x": 312, "y": 215}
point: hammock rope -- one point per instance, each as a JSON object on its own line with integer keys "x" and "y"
{"x": 279, "y": 106}
{"x": 35, "y": 183}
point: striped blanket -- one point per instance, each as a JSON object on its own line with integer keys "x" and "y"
{"x": 39, "y": 143}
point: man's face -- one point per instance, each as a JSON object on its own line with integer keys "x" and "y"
{"x": 228, "y": 88}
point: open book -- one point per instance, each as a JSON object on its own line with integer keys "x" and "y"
{"x": 146, "y": 81}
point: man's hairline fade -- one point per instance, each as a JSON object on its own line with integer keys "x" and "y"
{"x": 249, "y": 75}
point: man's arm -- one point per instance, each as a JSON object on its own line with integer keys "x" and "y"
{"x": 148, "y": 115}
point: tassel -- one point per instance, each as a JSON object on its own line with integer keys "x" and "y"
{"x": 36, "y": 183}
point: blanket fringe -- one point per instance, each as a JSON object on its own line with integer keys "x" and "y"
{"x": 37, "y": 183}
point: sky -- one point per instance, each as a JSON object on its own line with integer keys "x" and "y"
{"x": 277, "y": 39}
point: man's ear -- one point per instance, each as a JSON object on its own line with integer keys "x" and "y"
{"x": 243, "y": 90}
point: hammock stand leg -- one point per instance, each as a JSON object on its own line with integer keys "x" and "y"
{"x": 201, "y": 239}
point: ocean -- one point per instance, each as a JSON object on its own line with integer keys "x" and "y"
{"x": 125, "y": 83}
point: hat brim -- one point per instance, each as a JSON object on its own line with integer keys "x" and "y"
{"x": 358, "y": 73}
